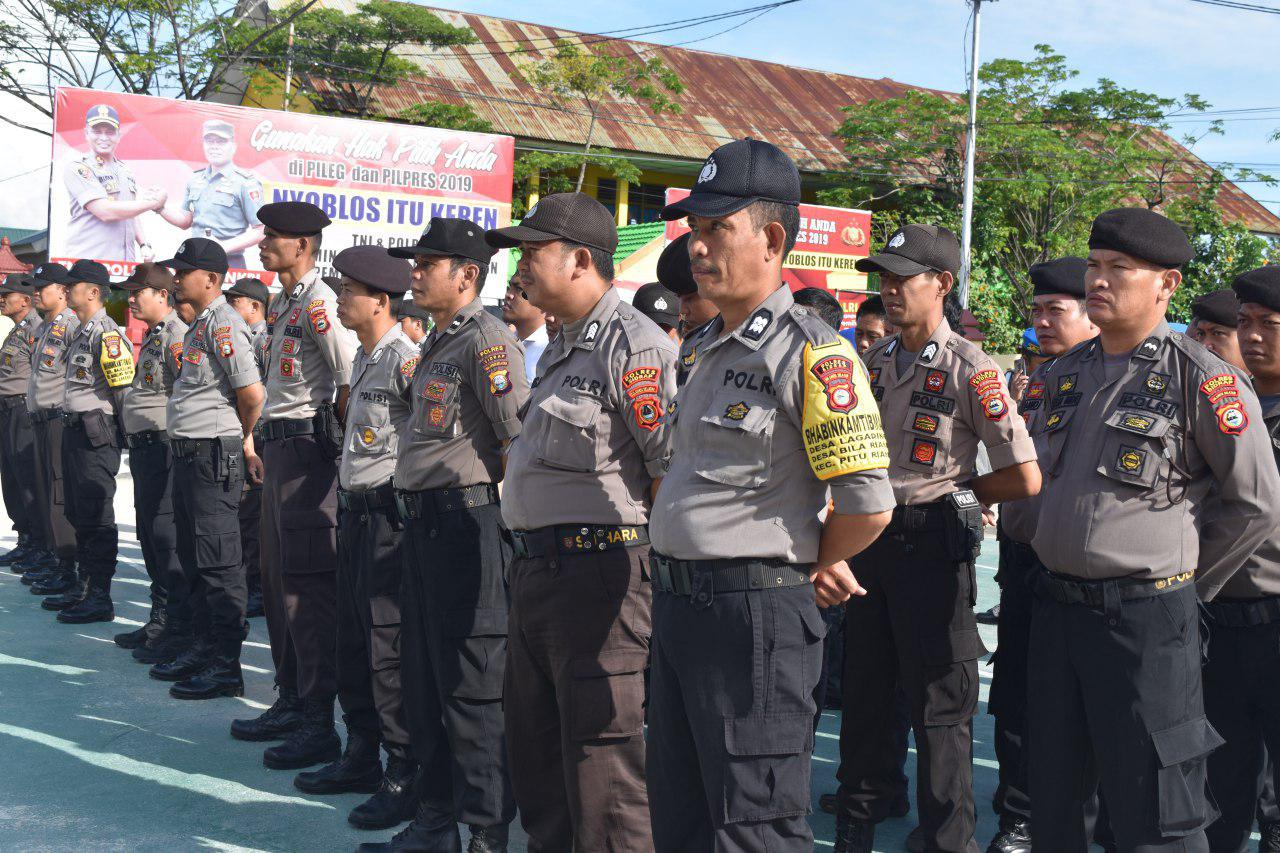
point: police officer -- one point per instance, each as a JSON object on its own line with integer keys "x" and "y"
{"x": 528, "y": 322}
{"x": 1242, "y": 675}
{"x": 99, "y": 370}
{"x": 368, "y": 627}
{"x": 221, "y": 201}
{"x": 414, "y": 322}
{"x": 250, "y": 297}
{"x": 308, "y": 371}
{"x": 143, "y": 422}
{"x": 215, "y": 402}
{"x": 1214, "y": 316}
{"x": 660, "y": 305}
{"x": 577, "y": 493}
{"x": 675, "y": 274}
{"x": 1146, "y": 436}
{"x": 740, "y": 557}
{"x": 1061, "y": 323}
{"x": 17, "y": 442}
{"x": 105, "y": 202}
{"x": 53, "y": 571}
{"x": 940, "y": 397}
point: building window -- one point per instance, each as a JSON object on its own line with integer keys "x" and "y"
{"x": 645, "y": 203}
{"x": 607, "y": 194}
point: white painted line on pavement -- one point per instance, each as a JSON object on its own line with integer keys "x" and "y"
{"x": 56, "y": 668}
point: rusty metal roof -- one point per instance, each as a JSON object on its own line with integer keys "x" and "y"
{"x": 725, "y": 97}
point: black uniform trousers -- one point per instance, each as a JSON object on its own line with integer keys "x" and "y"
{"x": 1115, "y": 696}
{"x": 91, "y": 463}
{"x": 18, "y": 468}
{"x": 732, "y": 676}
{"x": 1008, "y": 699}
{"x": 914, "y": 628}
{"x": 368, "y": 655}
{"x": 207, "y": 486}
{"x": 300, "y": 561}
{"x": 151, "y": 466}
{"x": 250, "y": 527}
{"x": 453, "y": 600}
{"x": 59, "y": 535}
{"x": 574, "y": 701}
{"x": 1242, "y": 700}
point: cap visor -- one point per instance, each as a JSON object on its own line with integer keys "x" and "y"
{"x": 175, "y": 264}
{"x": 509, "y": 238}
{"x": 893, "y": 264}
{"x": 706, "y": 204}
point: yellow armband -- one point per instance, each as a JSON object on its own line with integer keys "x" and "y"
{"x": 841, "y": 421}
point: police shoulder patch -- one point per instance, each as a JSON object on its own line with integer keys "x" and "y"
{"x": 408, "y": 366}
{"x": 841, "y": 425}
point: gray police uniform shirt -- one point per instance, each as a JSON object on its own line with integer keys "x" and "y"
{"x": 772, "y": 419}
{"x": 16, "y": 353}
{"x": 49, "y": 361}
{"x": 950, "y": 399}
{"x": 223, "y": 204}
{"x": 87, "y": 179}
{"x": 377, "y": 412}
{"x": 260, "y": 338}
{"x": 1259, "y": 577}
{"x": 217, "y": 359}
{"x": 308, "y": 356}
{"x": 1131, "y": 465}
{"x": 99, "y": 366}
{"x": 466, "y": 395}
{"x": 1018, "y": 519}
{"x": 146, "y": 401}
{"x": 593, "y": 434}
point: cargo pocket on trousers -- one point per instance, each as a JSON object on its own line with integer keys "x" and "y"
{"x": 766, "y": 768}
{"x": 384, "y": 644}
{"x": 606, "y": 700}
{"x": 217, "y": 540}
{"x": 309, "y": 543}
{"x": 1182, "y": 791}
{"x": 476, "y": 669}
{"x": 950, "y": 675}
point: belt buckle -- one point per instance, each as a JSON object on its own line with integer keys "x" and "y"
{"x": 661, "y": 569}
{"x": 519, "y": 545}
{"x": 401, "y": 507}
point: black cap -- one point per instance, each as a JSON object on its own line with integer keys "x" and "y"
{"x": 253, "y": 288}
{"x": 562, "y": 216}
{"x": 1217, "y": 306}
{"x": 407, "y": 308}
{"x": 294, "y": 217}
{"x": 198, "y": 253}
{"x": 147, "y": 275}
{"x": 449, "y": 237}
{"x": 674, "y": 269}
{"x": 374, "y": 268}
{"x": 90, "y": 272}
{"x": 1260, "y": 286}
{"x": 50, "y": 274}
{"x": 914, "y": 249}
{"x": 14, "y": 283}
{"x": 737, "y": 174}
{"x": 1063, "y": 275}
{"x": 1143, "y": 234}
{"x": 660, "y": 305}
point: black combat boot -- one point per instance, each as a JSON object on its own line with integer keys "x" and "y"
{"x": 76, "y": 589}
{"x": 393, "y": 803}
{"x": 134, "y": 639}
{"x": 275, "y": 723}
{"x": 1270, "y": 837}
{"x": 222, "y": 677}
{"x": 166, "y": 646}
{"x": 15, "y": 554}
{"x": 194, "y": 660}
{"x": 42, "y": 575}
{"x": 489, "y": 839}
{"x": 313, "y": 742}
{"x": 854, "y": 836}
{"x": 42, "y": 559}
{"x": 433, "y": 828}
{"x": 359, "y": 769}
{"x": 94, "y": 607}
{"x": 1014, "y": 836}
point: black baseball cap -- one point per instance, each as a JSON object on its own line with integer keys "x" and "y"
{"x": 674, "y": 269}
{"x": 198, "y": 253}
{"x": 914, "y": 249}
{"x": 374, "y": 268}
{"x": 90, "y": 272}
{"x": 14, "y": 283}
{"x": 449, "y": 237}
{"x": 301, "y": 218}
{"x": 407, "y": 308}
{"x": 147, "y": 275}
{"x": 253, "y": 288}
{"x": 1260, "y": 286}
{"x": 50, "y": 274}
{"x": 576, "y": 217}
{"x": 738, "y": 174}
{"x": 659, "y": 304}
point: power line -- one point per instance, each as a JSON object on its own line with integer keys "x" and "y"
{"x": 1234, "y": 4}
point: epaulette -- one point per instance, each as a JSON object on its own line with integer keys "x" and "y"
{"x": 639, "y": 332}
{"x": 966, "y": 350}
{"x": 813, "y": 327}
{"x": 1201, "y": 357}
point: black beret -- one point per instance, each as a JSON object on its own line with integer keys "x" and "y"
{"x": 1063, "y": 275}
{"x": 407, "y": 308}
{"x": 1260, "y": 286}
{"x": 1142, "y": 233}
{"x": 449, "y": 237}
{"x": 674, "y": 269}
{"x": 1218, "y": 306}
{"x": 374, "y": 268}
{"x": 199, "y": 253}
{"x": 294, "y": 217}
{"x": 90, "y": 272}
{"x": 253, "y": 288}
{"x": 333, "y": 282}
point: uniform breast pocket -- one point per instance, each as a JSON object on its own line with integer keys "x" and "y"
{"x": 928, "y": 438}
{"x": 436, "y": 409}
{"x": 223, "y": 199}
{"x": 371, "y": 434}
{"x": 569, "y": 435}
{"x": 81, "y": 369}
{"x": 735, "y": 441}
{"x": 1051, "y": 439}
{"x": 1133, "y": 449}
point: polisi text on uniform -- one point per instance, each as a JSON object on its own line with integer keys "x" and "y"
{"x": 743, "y": 379}
{"x": 582, "y": 383}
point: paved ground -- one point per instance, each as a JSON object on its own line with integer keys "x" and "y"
{"x": 96, "y": 756}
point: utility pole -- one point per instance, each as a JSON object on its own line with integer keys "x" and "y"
{"x": 970, "y": 150}
{"x": 288, "y": 70}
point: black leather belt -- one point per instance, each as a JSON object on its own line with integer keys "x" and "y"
{"x": 577, "y": 539}
{"x": 429, "y": 502}
{"x": 144, "y": 438}
{"x": 12, "y": 401}
{"x": 1244, "y": 614}
{"x": 1067, "y": 590}
{"x": 184, "y": 447}
{"x": 918, "y": 518}
{"x": 368, "y": 501}
{"x": 41, "y": 416}
{"x": 676, "y": 576}
{"x": 276, "y": 430}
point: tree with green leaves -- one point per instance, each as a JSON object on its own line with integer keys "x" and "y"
{"x": 574, "y": 75}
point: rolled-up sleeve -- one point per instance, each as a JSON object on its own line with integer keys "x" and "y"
{"x": 862, "y": 493}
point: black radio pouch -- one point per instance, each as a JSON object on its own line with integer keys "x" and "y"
{"x": 964, "y": 528}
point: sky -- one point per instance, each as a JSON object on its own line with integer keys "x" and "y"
{"x": 1167, "y": 47}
